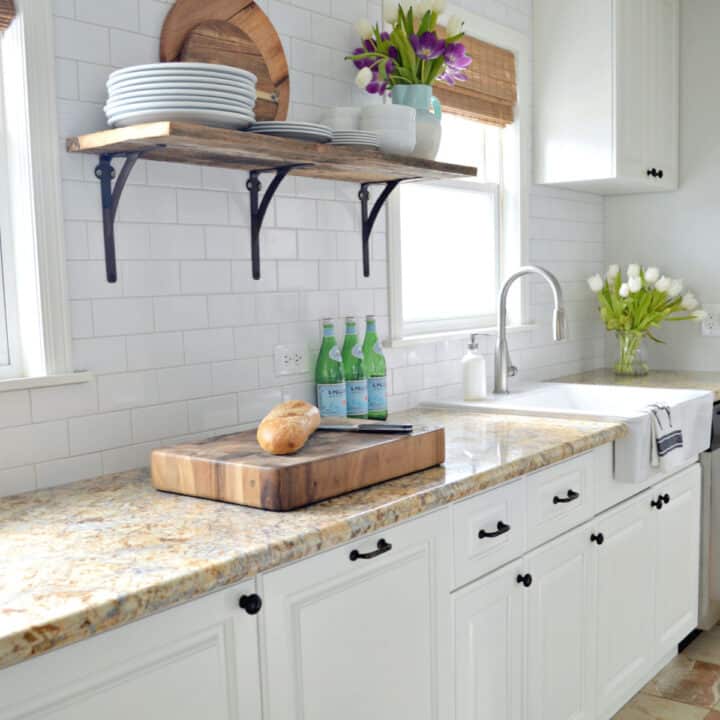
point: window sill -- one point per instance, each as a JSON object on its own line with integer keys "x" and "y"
{"x": 424, "y": 339}
{"x": 30, "y": 383}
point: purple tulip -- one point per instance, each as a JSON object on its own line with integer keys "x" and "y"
{"x": 384, "y": 36}
{"x": 393, "y": 52}
{"x": 369, "y": 45}
{"x": 389, "y": 67}
{"x": 360, "y": 63}
{"x": 428, "y": 46}
{"x": 453, "y": 75}
{"x": 455, "y": 56}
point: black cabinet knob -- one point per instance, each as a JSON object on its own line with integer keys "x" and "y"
{"x": 502, "y": 528}
{"x": 658, "y": 504}
{"x": 665, "y": 498}
{"x": 525, "y": 580}
{"x": 571, "y": 496}
{"x": 598, "y": 538}
{"x": 652, "y": 173}
{"x": 251, "y": 604}
{"x": 660, "y": 173}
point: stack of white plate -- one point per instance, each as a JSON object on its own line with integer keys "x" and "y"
{"x": 310, "y": 132}
{"x": 216, "y": 95}
{"x": 355, "y": 137}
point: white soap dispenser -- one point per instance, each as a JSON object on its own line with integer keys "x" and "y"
{"x": 474, "y": 372}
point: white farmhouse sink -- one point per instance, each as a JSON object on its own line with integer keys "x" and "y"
{"x": 691, "y": 410}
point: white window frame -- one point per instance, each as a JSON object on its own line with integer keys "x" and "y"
{"x": 513, "y": 202}
{"x": 35, "y": 199}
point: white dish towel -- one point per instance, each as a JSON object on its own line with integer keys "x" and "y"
{"x": 666, "y": 438}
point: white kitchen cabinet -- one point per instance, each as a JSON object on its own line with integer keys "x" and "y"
{"x": 489, "y": 634}
{"x": 625, "y": 582}
{"x": 607, "y": 94}
{"x": 560, "y": 629}
{"x": 362, "y": 631}
{"x": 677, "y": 559}
{"x": 199, "y": 660}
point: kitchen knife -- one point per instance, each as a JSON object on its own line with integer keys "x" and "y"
{"x": 370, "y": 428}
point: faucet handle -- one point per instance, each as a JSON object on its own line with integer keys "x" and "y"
{"x": 512, "y": 371}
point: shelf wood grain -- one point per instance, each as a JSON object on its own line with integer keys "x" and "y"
{"x": 202, "y": 145}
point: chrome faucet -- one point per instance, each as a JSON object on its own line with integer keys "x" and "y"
{"x": 503, "y": 365}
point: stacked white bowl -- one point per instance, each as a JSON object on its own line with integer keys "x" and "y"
{"x": 395, "y": 126}
{"x": 217, "y": 95}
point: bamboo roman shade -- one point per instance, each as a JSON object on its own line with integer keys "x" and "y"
{"x": 7, "y": 13}
{"x": 490, "y": 94}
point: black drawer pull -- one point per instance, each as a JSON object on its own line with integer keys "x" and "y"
{"x": 383, "y": 547}
{"x": 660, "y": 174}
{"x": 251, "y": 604}
{"x": 502, "y": 528}
{"x": 665, "y": 498}
{"x": 571, "y": 495}
{"x": 525, "y": 580}
{"x": 598, "y": 538}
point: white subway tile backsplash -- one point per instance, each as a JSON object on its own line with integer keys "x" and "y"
{"x": 127, "y": 390}
{"x": 161, "y": 421}
{"x": 297, "y": 275}
{"x": 234, "y": 376}
{"x": 277, "y": 307}
{"x": 180, "y": 313}
{"x": 206, "y": 277}
{"x": 155, "y": 350}
{"x": 212, "y": 413}
{"x": 117, "y": 14}
{"x": 67, "y": 470}
{"x": 64, "y": 401}
{"x": 15, "y": 408}
{"x": 33, "y": 443}
{"x": 81, "y": 41}
{"x": 17, "y": 480}
{"x": 183, "y": 383}
{"x": 122, "y": 316}
{"x": 176, "y": 242}
{"x": 99, "y": 432}
{"x": 200, "y": 207}
{"x": 209, "y": 345}
{"x": 231, "y": 310}
{"x": 131, "y": 48}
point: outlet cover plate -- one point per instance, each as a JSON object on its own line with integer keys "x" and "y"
{"x": 291, "y": 360}
{"x": 710, "y": 326}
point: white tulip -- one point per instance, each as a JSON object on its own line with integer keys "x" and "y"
{"x": 596, "y": 283}
{"x": 624, "y": 290}
{"x": 390, "y": 11}
{"x": 439, "y": 6}
{"x": 689, "y": 302}
{"x": 419, "y": 9}
{"x": 613, "y": 272}
{"x": 663, "y": 284}
{"x": 364, "y": 78}
{"x": 652, "y": 275}
{"x": 676, "y": 287}
{"x": 700, "y": 315}
{"x": 635, "y": 284}
{"x": 455, "y": 26}
{"x": 633, "y": 270}
{"x": 364, "y": 28}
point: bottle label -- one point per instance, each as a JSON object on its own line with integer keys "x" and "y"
{"x": 335, "y": 354}
{"x": 357, "y": 352}
{"x": 378, "y": 348}
{"x": 377, "y": 394}
{"x": 332, "y": 400}
{"x": 357, "y": 398}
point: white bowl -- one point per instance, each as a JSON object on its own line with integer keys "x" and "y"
{"x": 387, "y": 117}
{"x": 397, "y": 142}
{"x": 342, "y": 118}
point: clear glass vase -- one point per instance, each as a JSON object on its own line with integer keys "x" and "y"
{"x": 631, "y": 357}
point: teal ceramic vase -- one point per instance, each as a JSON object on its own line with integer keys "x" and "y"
{"x": 429, "y": 125}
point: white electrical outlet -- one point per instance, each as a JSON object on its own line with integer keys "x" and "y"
{"x": 291, "y": 360}
{"x": 710, "y": 326}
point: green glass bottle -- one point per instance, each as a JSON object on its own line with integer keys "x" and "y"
{"x": 376, "y": 369}
{"x": 329, "y": 376}
{"x": 355, "y": 377}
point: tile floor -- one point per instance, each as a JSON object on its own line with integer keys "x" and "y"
{"x": 687, "y": 689}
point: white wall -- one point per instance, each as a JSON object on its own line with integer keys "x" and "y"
{"x": 182, "y": 345}
{"x": 680, "y": 231}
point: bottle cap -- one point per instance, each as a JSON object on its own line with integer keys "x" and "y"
{"x": 327, "y": 321}
{"x": 350, "y": 320}
{"x": 473, "y": 342}
{"x": 370, "y": 318}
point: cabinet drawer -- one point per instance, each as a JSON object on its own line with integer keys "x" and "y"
{"x": 559, "y": 498}
{"x": 488, "y": 531}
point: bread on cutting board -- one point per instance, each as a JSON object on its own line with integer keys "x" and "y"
{"x": 287, "y": 427}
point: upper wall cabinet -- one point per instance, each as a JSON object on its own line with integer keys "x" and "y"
{"x": 606, "y": 94}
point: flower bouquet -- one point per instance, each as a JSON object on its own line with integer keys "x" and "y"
{"x": 410, "y": 51}
{"x": 633, "y": 307}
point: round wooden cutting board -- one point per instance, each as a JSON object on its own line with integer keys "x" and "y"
{"x": 231, "y": 32}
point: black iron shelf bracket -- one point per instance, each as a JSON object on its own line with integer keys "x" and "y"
{"x": 369, "y": 217}
{"x": 259, "y": 208}
{"x": 110, "y": 194}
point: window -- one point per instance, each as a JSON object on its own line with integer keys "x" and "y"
{"x": 10, "y": 360}
{"x": 450, "y": 243}
{"x": 449, "y": 246}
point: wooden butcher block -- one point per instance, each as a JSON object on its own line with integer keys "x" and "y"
{"x": 234, "y": 468}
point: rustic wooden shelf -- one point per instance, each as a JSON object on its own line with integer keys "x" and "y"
{"x": 202, "y": 145}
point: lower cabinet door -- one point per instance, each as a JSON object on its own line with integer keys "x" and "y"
{"x": 561, "y": 629}
{"x": 362, "y": 631}
{"x": 199, "y": 660}
{"x": 488, "y": 628}
{"x": 677, "y": 558}
{"x": 625, "y": 597}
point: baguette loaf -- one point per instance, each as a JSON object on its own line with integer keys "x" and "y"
{"x": 287, "y": 427}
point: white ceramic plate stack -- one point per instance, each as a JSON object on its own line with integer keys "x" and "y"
{"x": 310, "y": 132}
{"x": 360, "y": 138}
{"x": 216, "y": 95}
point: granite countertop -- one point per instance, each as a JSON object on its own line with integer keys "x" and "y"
{"x": 86, "y": 557}
{"x": 680, "y": 379}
